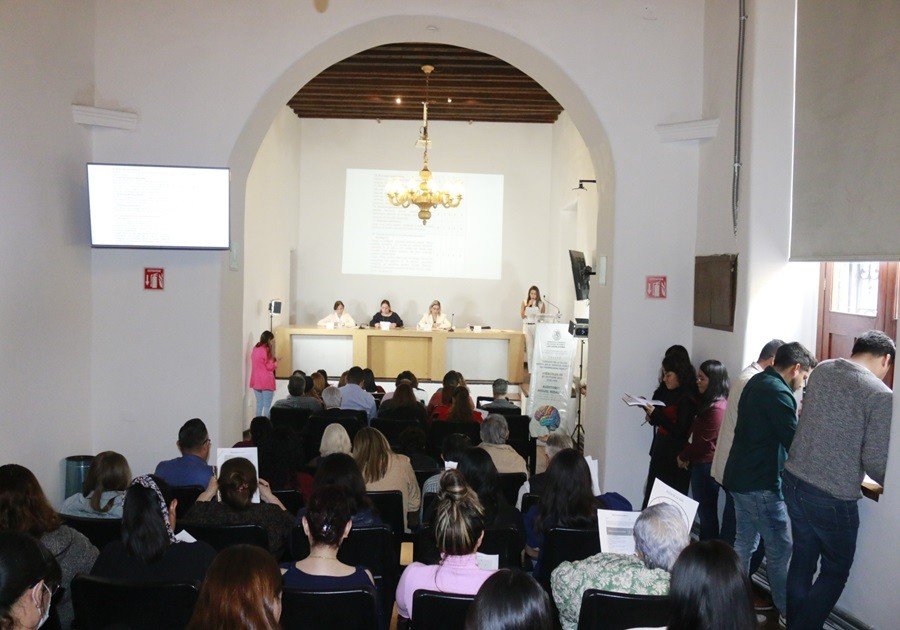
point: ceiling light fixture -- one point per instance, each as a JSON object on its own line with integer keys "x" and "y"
{"x": 420, "y": 191}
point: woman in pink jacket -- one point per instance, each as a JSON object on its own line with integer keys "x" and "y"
{"x": 262, "y": 373}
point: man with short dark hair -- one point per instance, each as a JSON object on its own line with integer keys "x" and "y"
{"x": 767, "y": 419}
{"x": 452, "y": 448}
{"x": 191, "y": 468}
{"x": 297, "y": 397}
{"x": 353, "y": 396}
{"x": 500, "y": 388}
{"x": 842, "y": 435}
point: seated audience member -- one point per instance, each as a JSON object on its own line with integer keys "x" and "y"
{"x": 191, "y": 468}
{"x": 353, "y": 396}
{"x": 405, "y": 375}
{"x": 403, "y": 406}
{"x": 342, "y": 379}
{"x": 434, "y": 319}
{"x": 500, "y": 388}
{"x": 458, "y": 528}
{"x": 326, "y": 523}
{"x": 462, "y": 409}
{"x": 382, "y": 469}
{"x": 237, "y": 483}
{"x": 444, "y": 393}
{"x": 242, "y": 590}
{"x": 452, "y": 449}
{"x": 494, "y": 434}
{"x": 510, "y": 600}
{"x": 567, "y": 500}
{"x": 555, "y": 443}
{"x": 659, "y": 536}
{"x": 339, "y": 317}
{"x": 341, "y": 470}
{"x": 335, "y": 439}
{"x": 331, "y": 398}
{"x": 149, "y": 550}
{"x": 413, "y": 443}
{"x": 103, "y": 491}
{"x": 29, "y": 575}
{"x": 24, "y": 508}
{"x": 369, "y": 383}
{"x": 298, "y": 397}
{"x": 710, "y": 590}
{"x": 386, "y": 315}
{"x": 478, "y": 469}
{"x": 324, "y": 376}
{"x": 260, "y": 429}
{"x": 319, "y": 383}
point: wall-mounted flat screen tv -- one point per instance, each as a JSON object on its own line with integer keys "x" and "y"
{"x": 164, "y": 207}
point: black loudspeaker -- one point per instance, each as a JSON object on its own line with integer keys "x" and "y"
{"x": 275, "y": 307}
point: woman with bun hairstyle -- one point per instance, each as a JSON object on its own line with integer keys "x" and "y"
{"x": 242, "y": 590}
{"x": 262, "y": 372}
{"x": 237, "y": 483}
{"x": 458, "y": 531}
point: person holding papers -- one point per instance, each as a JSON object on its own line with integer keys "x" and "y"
{"x": 339, "y": 318}
{"x": 386, "y": 316}
{"x": 659, "y": 537}
{"x": 434, "y": 319}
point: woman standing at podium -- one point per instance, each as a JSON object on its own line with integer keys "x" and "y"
{"x": 532, "y": 306}
{"x": 434, "y": 319}
{"x": 386, "y": 315}
{"x": 339, "y": 317}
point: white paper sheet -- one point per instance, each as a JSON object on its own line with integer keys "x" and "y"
{"x": 224, "y": 454}
{"x": 487, "y": 562}
{"x": 594, "y": 467}
{"x": 616, "y": 531}
{"x": 662, "y": 493}
{"x": 639, "y": 401}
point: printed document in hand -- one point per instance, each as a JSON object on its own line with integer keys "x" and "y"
{"x": 640, "y": 401}
{"x": 594, "y": 467}
{"x": 687, "y": 507}
{"x": 487, "y": 562}
{"x": 616, "y": 531}
{"x": 224, "y": 454}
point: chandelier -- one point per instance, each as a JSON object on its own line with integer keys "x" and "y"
{"x": 421, "y": 191}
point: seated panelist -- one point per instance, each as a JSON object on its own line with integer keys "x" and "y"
{"x": 386, "y": 315}
{"x": 339, "y": 317}
{"x": 434, "y": 319}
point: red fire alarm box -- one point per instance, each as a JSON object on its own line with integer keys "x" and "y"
{"x": 154, "y": 278}
{"x": 656, "y": 287}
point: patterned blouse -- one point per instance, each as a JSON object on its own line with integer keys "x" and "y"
{"x": 615, "y": 572}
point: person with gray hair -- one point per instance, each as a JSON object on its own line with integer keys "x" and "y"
{"x": 500, "y": 388}
{"x": 494, "y": 433}
{"x": 331, "y": 396}
{"x": 556, "y": 442}
{"x": 297, "y": 398}
{"x": 660, "y": 535}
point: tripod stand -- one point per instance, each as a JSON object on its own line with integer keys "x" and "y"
{"x": 578, "y": 432}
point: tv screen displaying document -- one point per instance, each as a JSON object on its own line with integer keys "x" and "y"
{"x": 137, "y": 206}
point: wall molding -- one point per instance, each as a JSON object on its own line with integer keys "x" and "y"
{"x": 97, "y": 117}
{"x": 688, "y": 130}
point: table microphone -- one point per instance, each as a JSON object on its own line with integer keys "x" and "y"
{"x": 452, "y": 315}
{"x": 558, "y": 311}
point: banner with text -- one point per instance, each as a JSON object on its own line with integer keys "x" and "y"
{"x": 551, "y": 378}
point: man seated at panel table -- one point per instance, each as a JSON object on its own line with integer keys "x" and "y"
{"x": 340, "y": 318}
{"x": 500, "y": 388}
{"x": 386, "y": 315}
{"x": 434, "y": 319}
{"x": 353, "y": 396}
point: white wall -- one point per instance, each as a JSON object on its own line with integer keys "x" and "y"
{"x": 272, "y": 213}
{"x": 518, "y": 151}
{"x": 46, "y": 61}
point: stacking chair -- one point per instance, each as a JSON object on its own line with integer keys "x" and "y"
{"x": 565, "y": 544}
{"x": 290, "y": 418}
{"x": 393, "y": 428}
{"x": 510, "y": 484}
{"x": 529, "y": 499}
{"x": 433, "y": 610}
{"x": 187, "y": 496}
{"x": 438, "y": 430}
{"x": 604, "y": 610}
{"x": 483, "y": 400}
{"x": 346, "y": 609}
{"x": 519, "y": 436}
{"x": 221, "y": 536}
{"x": 389, "y": 506}
{"x": 290, "y": 499}
{"x": 504, "y": 542}
{"x": 101, "y": 603}
{"x": 427, "y": 501}
{"x": 100, "y": 531}
{"x": 424, "y": 475}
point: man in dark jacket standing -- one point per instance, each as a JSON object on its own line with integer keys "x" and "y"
{"x": 767, "y": 419}
{"x": 843, "y": 434}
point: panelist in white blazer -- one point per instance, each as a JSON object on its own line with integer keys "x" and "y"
{"x": 340, "y": 318}
{"x": 434, "y": 319}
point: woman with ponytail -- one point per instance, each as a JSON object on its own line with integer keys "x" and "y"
{"x": 458, "y": 531}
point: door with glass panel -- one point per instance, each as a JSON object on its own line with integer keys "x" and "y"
{"x": 856, "y": 297}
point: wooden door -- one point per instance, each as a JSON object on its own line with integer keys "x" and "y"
{"x": 856, "y": 297}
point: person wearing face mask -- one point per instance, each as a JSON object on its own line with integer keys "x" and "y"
{"x": 29, "y": 575}
{"x": 767, "y": 420}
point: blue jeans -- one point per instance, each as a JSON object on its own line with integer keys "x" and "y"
{"x": 263, "y": 401}
{"x": 824, "y": 528}
{"x": 706, "y": 493}
{"x": 728, "y": 533}
{"x": 762, "y": 513}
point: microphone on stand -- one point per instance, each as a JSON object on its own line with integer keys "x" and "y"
{"x": 558, "y": 311}
{"x": 452, "y": 315}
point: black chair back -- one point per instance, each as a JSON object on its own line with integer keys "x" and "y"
{"x": 389, "y": 506}
{"x": 510, "y": 484}
{"x": 100, "y": 603}
{"x": 393, "y": 428}
{"x": 519, "y": 436}
{"x": 619, "y": 611}
{"x": 439, "y": 429}
{"x": 187, "y": 496}
{"x": 504, "y": 542}
{"x": 565, "y": 544}
{"x": 290, "y": 499}
{"x": 424, "y": 475}
{"x": 290, "y": 418}
{"x": 100, "y": 531}
{"x": 221, "y": 536}
{"x": 528, "y": 500}
{"x": 347, "y": 609}
{"x": 483, "y": 400}
{"x": 433, "y": 610}
{"x": 428, "y": 500}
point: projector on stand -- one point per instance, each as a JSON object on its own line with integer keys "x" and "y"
{"x": 578, "y": 327}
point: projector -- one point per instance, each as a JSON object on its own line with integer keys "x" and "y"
{"x": 578, "y": 327}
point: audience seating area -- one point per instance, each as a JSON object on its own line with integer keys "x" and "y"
{"x": 101, "y": 603}
{"x": 604, "y": 610}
